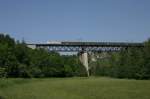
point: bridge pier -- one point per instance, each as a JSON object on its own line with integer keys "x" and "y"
{"x": 83, "y": 56}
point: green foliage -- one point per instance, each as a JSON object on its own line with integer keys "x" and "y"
{"x": 2, "y": 72}
{"x": 128, "y": 63}
{"x": 17, "y": 60}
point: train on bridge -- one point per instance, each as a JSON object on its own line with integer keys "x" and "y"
{"x": 84, "y": 47}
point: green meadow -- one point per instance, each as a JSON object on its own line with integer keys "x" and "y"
{"x": 74, "y": 88}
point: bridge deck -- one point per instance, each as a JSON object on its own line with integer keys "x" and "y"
{"x": 102, "y": 44}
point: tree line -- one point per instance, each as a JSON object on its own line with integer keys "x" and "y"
{"x": 17, "y": 60}
{"x": 132, "y": 63}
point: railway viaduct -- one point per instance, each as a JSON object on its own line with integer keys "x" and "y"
{"x": 83, "y": 48}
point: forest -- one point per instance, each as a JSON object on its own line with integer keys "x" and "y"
{"x": 131, "y": 63}
{"x": 19, "y": 61}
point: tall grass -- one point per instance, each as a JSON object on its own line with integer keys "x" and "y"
{"x": 74, "y": 88}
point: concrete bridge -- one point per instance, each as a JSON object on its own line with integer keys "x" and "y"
{"x": 84, "y": 47}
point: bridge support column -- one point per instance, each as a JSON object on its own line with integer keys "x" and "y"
{"x": 84, "y": 60}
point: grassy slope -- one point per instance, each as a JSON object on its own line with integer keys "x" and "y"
{"x": 74, "y": 88}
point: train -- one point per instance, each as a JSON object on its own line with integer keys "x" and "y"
{"x": 54, "y": 42}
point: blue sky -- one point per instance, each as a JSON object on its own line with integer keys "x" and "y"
{"x": 86, "y": 20}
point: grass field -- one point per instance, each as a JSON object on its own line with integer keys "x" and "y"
{"x": 74, "y": 88}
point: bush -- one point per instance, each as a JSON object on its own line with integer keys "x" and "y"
{"x": 2, "y": 72}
